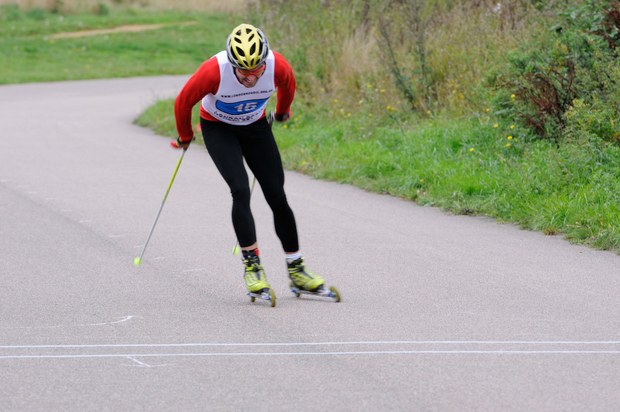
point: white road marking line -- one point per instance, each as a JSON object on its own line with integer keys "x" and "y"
{"x": 344, "y": 353}
{"x": 125, "y": 319}
{"x": 146, "y": 365}
{"x": 569, "y": 349}
{"x": 381, "y": 342}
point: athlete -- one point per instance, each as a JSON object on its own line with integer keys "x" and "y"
{"x": 234, "y": 86}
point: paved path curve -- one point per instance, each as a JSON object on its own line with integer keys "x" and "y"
{"x": 439, "y": 312}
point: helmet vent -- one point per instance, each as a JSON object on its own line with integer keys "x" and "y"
{"x": 247, "y": 47}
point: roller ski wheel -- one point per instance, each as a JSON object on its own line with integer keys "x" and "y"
{"x": 266, "y": 294}
{"x": 330, "y": 293}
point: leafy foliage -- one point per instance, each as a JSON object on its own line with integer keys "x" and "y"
{"x": 567, "y": 83}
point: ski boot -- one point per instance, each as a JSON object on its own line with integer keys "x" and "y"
{"x": 304, "y": 282}
{"x": 256, "y": 280}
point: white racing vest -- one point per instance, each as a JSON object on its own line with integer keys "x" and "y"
{"x": 233, "y": 103}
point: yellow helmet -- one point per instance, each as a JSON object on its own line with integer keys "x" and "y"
{"x": 247, "y": 47}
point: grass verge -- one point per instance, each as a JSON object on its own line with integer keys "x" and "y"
{"x": 465, "y": 166}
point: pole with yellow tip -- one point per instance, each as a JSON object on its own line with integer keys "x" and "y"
{"x": 138, "y": 259}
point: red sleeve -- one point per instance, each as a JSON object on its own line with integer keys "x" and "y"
{"x": 206, "y": 80}
{"x": 285, "y": 83}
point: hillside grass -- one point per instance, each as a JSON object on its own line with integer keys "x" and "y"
{"x": 30, "y": 53}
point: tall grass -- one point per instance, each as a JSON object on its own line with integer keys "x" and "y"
{"x": 442, "y": 50}
{"x": 410, "y": 92}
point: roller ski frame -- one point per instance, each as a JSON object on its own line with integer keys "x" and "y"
{"x": 330, "y": 293}
{"x": 266, "y": 294}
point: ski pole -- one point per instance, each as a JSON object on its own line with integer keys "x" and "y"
{"x": 270, "y": 118}
{"x": 138, "y": 260}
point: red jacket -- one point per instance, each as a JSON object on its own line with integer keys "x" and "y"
{"x": 207, "y": 80}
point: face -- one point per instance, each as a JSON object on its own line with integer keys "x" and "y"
{"x": 249, "y": 77}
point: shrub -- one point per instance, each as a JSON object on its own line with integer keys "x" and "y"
{"x": 398, "y": 56}
{"x": 566, "y": 83}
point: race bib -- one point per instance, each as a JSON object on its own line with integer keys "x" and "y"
{"x": 242, "y": 107}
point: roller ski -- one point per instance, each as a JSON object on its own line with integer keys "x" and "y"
{"x": 304, "y": 282}
{"x": 265, "y": 294}
{"x": 256, "y": 280}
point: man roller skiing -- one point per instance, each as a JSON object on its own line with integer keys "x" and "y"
{"x": 234, "y": 87}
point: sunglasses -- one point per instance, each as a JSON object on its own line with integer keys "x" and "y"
{"x": 254, "y": 72}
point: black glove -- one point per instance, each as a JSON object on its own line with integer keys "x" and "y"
{"x": 282, "y": 117}
{"x": 178, "y": 144}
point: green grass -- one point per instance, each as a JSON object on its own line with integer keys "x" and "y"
{"x": 465, "y": 166}
{"x": 160, "y": 118}
{"x": 28, "y": 54}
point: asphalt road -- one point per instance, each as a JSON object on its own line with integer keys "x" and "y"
{"x": 439, "y": 312}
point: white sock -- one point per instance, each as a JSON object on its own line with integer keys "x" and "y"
{"x": 293, "y": 256}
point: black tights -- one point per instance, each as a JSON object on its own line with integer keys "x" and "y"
{"x": 228, "y": 145}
